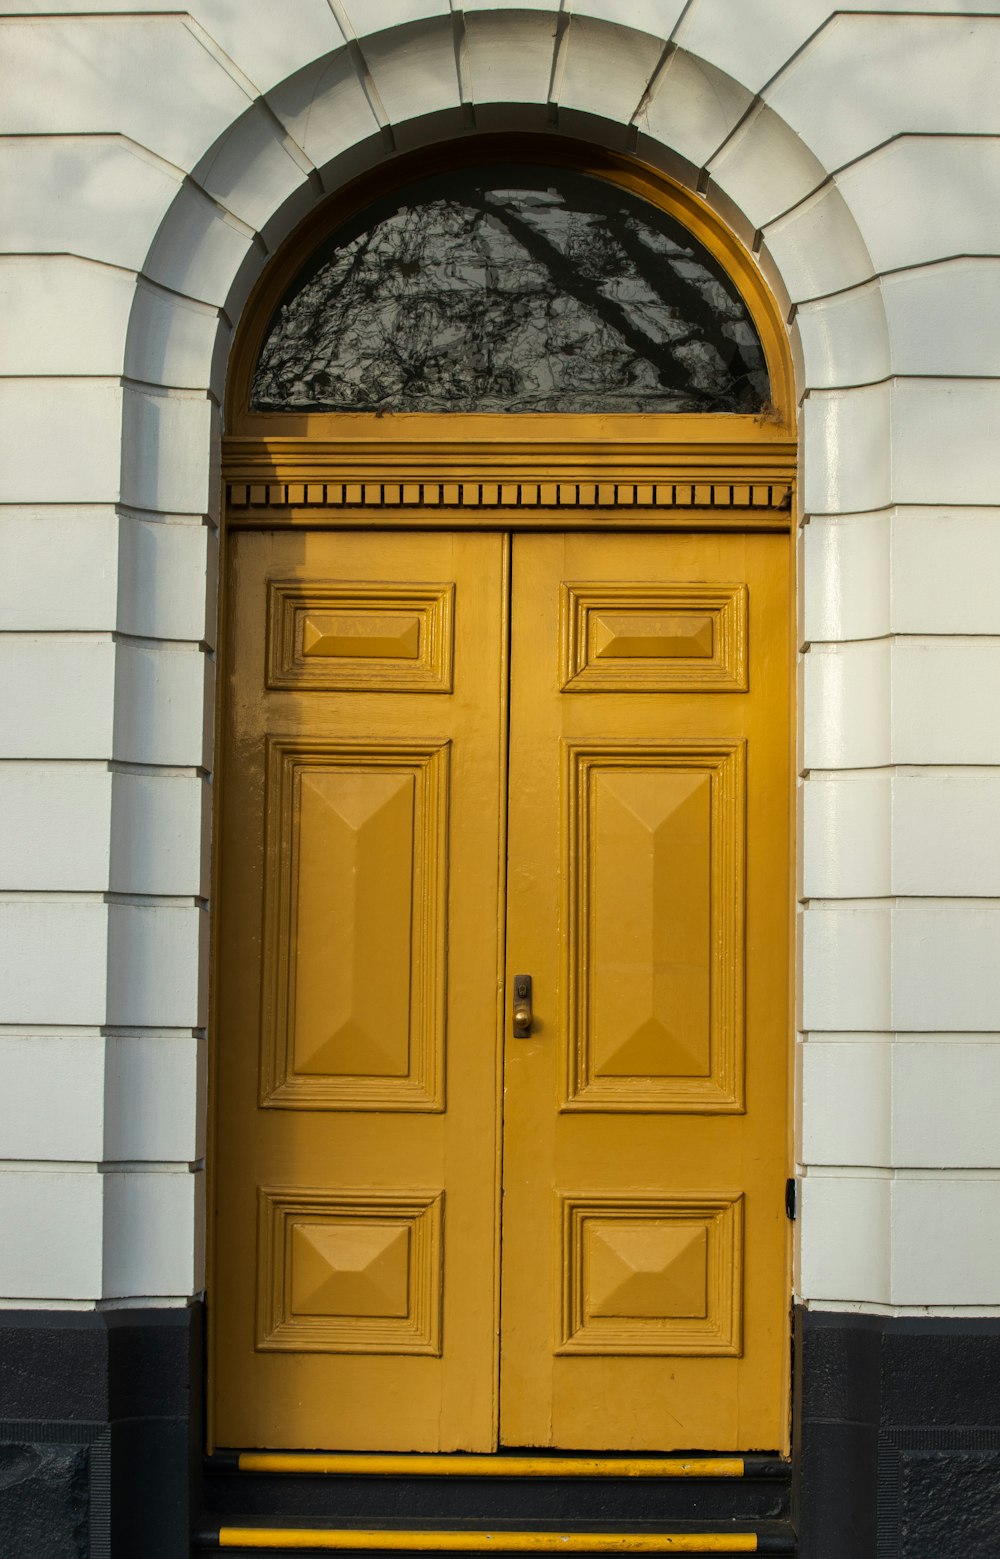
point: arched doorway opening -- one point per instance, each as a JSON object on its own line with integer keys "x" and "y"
{"x": 509, "y": 473}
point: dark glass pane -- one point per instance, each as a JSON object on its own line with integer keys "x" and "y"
{"x": 512, "y": 289}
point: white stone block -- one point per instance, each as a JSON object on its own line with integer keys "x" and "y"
{"x": 847, "y": 1102}
{"x": 848, "y": 707}
{"x": 945, "y": 567}
{"x": 40, "y": 935}
{"x": 817, "y": 247}
{"x": 946, "y": 833}
{"x": 415, "y": 71}
{"x": 946, "y": 440}
{"x": 846, "y": 583}
{"x": 844, "y": 1250}
{"x": 58, "y": 568}
{"x": 257, "y": 34}
{"x": 53, "y": 1091}
{"x": 864, "y": 79}
{"x": 945, "y": 970}
{"x": 198, "y": 248}
{"x": 846, "y": 848}
{"x": 98, "y": 196}
{"x": 251, "y": 170}
{"x": 62, "y": 315}
{"x": 166, "y": 448}
{"x": 186, "y": 98}
{"x": 153, "y": 1102}
{"x": 944, "y": 1104}
{"x": 845, "y": 339}
{"x": 605, "y": 70}
{"x": 911, "y": 198}
{"x": 56, "y": 696}
{"x": 52, "y": 1222}
{"x": 163, "y": 579}
{"x": 945, "y": 319}
{"x": 944, "y": 1251}
{"x": 946, "y": 701}
{"x": 159, "y": 834}
{"x": 693, "y": 107}
{"x": 149, "y": 1234}
{"x": 658, "y": 17}
{"x": 57, "y": 828}
{"x": 172, "y": 340}
{"x": 155, "y": 966}
{"x": 79, "y": 418}
{"x": 847, "y": 464}
{"x": 161, "y": 705}
{"x": 847, "y": 968}
{"x": 324, "y": 108}
{"x": 510, "y": 57}
{"x": 751, "y": 40}
{"x": 764, "y": 168}
{"x": 366, "y": 18}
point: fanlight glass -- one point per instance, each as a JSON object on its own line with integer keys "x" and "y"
{"x": 512, "y": 289}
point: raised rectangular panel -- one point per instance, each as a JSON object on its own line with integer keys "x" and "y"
{"x": 251, "y": 171}
{"x": 849, "y": 434}
{"x": 166, "y": 452}
{"x": 371, "y": 637}
{"x": 63, "y": 315}
{"x": 606, "y": 73}
{"x": 151, "y": 1234}
{"x": 848, "y": 691}
{"x": 57, "y": 827}
{"x": 944, "y": 566}
{"x": 944, "y": 1103}
{"x": 910, "y": 198}
{"x": 944, "y": 443}
{"x": 164, "y": 579}
{"x": 324, "y": 108}
{"x": 847, "y": 836}
{"x": 88, "y": 416}
{"x": 817, "y": 248}
{"x": 845, "y": 340}
{"x": 946, "y": 975}
{"x": 847, "y": 968}
{"x": 53, "y": 1226}
{"x": 349, "y": 1271}
{"x": 161, "y": 705}
{"x": 654, "y": 903}
{"x": 946, "y": 700}
{"x": 945, "y": 319}
{"x": 847, "y": 1105}
{"x": 943, "y": 1250}
{"x": 946, "y": 833}
{"x": 764, "y": 168}
{"x": 52, "y": 1086}
{"x": 199, "y": 251}
{"x": 172, "y": 340}
{"x": 692, "y": 107}
{"x": 157, "y": 966}
{"x": 151, "y": 1099}
{"x": 56, "y": 696}
{"x": 356, "y": 852}
{"x": 845, "y": 1238}
{"x": 159, "y": 825}
{"x": 654, "y": 638}
{"x": 58, "y": 568}
{"x": 846, "y": 577}
{"x": 98, "y": 196}
{"x": 648, "y": 1274}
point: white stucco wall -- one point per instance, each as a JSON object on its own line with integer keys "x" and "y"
{"x": 150, "y": 162}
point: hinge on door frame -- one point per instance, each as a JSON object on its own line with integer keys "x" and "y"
{"x": 791, "y": 1185}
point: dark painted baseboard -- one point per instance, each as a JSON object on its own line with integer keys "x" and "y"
{"x": 100, "y": 1433}
{"x": 897, "y": 1437}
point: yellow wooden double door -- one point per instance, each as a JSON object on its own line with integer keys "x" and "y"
{"x": 450, "y": 759}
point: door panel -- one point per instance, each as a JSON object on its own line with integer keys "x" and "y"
{"x": 356, "y": 1082}
{"x": 644, "y": 1238}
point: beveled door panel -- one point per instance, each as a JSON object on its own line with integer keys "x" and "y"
{"x": 355, "y": 1156}
{"x": 644, "y": 1238}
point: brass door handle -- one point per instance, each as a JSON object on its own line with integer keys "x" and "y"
{"x": 522, "y": 1006}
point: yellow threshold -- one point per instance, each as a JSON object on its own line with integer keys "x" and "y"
{"x": 494, "y": 1466}
{"x": 492, "y": 1542}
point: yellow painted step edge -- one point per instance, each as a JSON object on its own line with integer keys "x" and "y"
{"x": 495, "y": 1466}
{"x": 495, "y": 1542}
